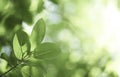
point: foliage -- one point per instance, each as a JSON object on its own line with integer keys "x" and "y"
{"x": 24, "y": 52}
{"x": 70, "y": 23}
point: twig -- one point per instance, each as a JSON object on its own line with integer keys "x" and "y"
{"x": 1, "y": 75}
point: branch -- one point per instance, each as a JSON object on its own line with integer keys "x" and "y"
{"x": 1, "y": 75}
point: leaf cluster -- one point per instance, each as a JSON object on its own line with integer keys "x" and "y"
{"x": 31, "y": 52}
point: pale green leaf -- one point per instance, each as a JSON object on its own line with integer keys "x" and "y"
{"x": 22, "y": 37}
{"x": 38, "y": 33}
{"x": 46, "y": 51}
{"x": 21, "y": 44}
{"x": 26, "y": 48}
{"x": 16, "y": 47}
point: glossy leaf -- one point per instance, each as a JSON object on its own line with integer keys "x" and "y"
{"x": 46, "y": 51}
{"x": 38, "y": 33}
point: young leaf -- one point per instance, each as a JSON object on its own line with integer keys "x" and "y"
{"x": 21, "y": 44}
{"x": 46, "y": 51}
{"x": 26, "y": 48}
{"x": 38, "y": 33}
{"x": 22, "y": 37}
{"x": 17, "y": 48}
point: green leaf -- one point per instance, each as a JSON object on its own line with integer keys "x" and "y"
{"x": 35, "y": 62}
{"x": 29, "y": 71}
{"x": 17, "y": 49}
{"x": 21, "y": 44}
{"x": 40, "y": 6}
{"x": 15, "y": 73}
{"x": 21, "y": 10}
{"x": 3, "y": 4}
{"x": 37, "y": 34}
{"x": 26, "y": 49}
{"x": 5, "y": 56}
{"x": 27, "y": 17}
{"x": 55, "y": 1}
{"x": 22, "y": 37}
{"x": 11, "y": 21}
{"x": 3, "y": 65}
{"x": 0, "y": 47}
{"x": 46, "y": 51}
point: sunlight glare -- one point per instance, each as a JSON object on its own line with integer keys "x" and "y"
{"x": 110, "y": 35}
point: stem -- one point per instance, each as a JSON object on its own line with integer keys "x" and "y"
{"x": 21, "y": 51}
{"x": 1, "y": 75}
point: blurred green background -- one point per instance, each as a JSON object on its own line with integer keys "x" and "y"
{"x": 87, "y": 31}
